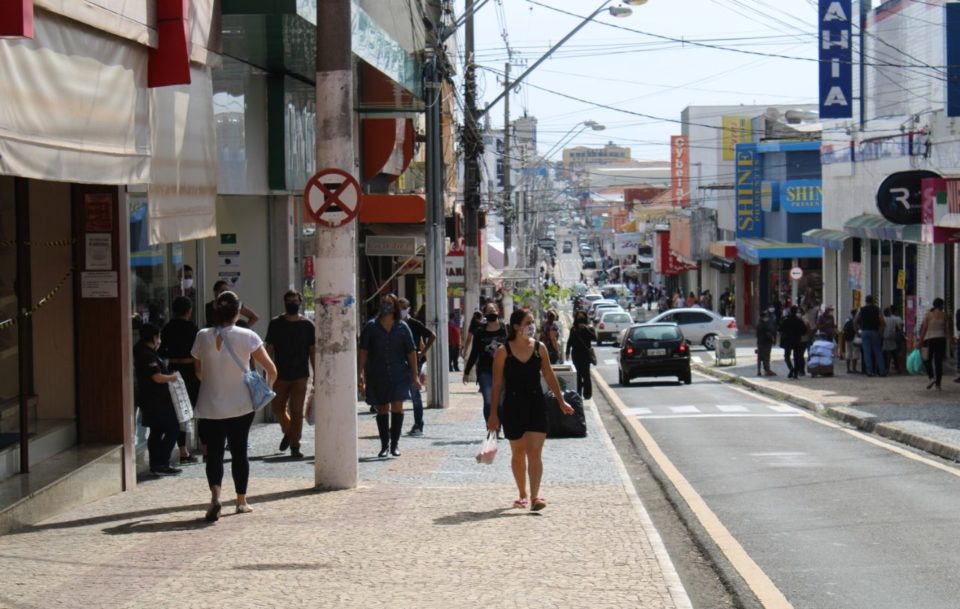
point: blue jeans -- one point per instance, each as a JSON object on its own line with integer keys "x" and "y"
{"x": 485, "y": 379}
{"x": 872, "y": 352}
{"x": 417, "y": 406}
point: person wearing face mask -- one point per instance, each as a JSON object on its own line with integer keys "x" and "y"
{"x": 517, "y": 369}
{"x": 387, "y": 371}
{"x": 423, "y": 339}
{"x": 291, "y": 344}
{"x": 153, "y": 398}
{"x": 486, "y": 340}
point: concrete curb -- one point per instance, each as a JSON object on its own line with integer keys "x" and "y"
{"x": 727, "y": 574}
{"x": 859, "y": 419}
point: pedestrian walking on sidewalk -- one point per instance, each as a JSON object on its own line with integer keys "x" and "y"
{"x": 792, "y": 332}
{"x": 224, "y": 408}
{"x": 176, "y": 341}
{"x": 579, "y": 344}
{"x": 476, "y": 322}
{"x": 291, "y": 342}
{"x": 892, "y": 333}
{"x": 935, "y": 331}
{"x": 870, "y": 323}
{"x": 387, "y": 368}
{"x": 423, "y": 339}
{"x": 517, "y": 369}
{"x": 486, "y": 340}
{"x": 766, "y": 339}
{"x": 851, "y": 342}
{"x": 153, "y": 398}
{"x": 453, "y": 340}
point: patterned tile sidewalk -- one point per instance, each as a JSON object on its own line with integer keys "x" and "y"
{"x": 429, "y": 529}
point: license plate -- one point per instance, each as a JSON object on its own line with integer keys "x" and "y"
{"x": 656, "y": 351}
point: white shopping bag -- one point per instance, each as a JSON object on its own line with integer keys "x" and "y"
{"x": 181, "y": 399}
{"x": 488, "y": 450}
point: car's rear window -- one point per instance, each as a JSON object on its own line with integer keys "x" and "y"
{"x": 655, "y": 333}
{"x": 617, "y": 318}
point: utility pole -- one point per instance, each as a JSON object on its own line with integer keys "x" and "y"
{"x": 435, "y": 264}
{"x": 335, "y": 375}
{"x": 472, "y": 148}
{"x": 507, "y": 212}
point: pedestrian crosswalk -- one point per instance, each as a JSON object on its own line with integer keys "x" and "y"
{"x": 680, "y": 411}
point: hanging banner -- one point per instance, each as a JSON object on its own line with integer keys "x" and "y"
{"x": 626, "y": 244}
{"x": 748, "y": 174}
{"x": 836, "y": 56}
{"x": 679, "y": 171}
{"x": 736, "y": 129}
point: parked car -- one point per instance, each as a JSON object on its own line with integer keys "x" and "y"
{"x": 700, "y": 326}
{"x": 611, "y": 324}
{"x": 654, "y": 349}
{"x": 589, "y": 263}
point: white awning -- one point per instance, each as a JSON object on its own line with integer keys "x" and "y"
{"x": 182, "y": 194}
{"x": 75, "y": 108}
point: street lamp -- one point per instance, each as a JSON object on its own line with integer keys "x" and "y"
{"x": 616, "y": 11}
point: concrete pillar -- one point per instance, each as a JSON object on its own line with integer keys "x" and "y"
{"x": 283, "y": 253}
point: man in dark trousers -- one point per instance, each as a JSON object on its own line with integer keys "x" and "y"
{"x": 423, "y": 339}
{"x": 766, "y": 339}
{"x": 870, "y": 322}
{"x": 291, "y": 343}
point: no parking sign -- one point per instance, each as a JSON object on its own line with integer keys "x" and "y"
{"x": 332, "y": 197}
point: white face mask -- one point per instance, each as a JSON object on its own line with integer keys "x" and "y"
{"x": 530, "y": 330}
{"x": 187, "y": 283}
{"x": 405, "y": 313}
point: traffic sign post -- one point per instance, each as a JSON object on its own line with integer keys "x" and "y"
{"x": 332, "y": 197}
{"x": 796, "y": 273}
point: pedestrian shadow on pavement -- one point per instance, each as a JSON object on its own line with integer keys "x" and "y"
{"x": 469, "y": 517}
{"x": 151, "y": 526}
{"x": 159, "y": 511}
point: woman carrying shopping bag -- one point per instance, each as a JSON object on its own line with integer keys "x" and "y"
{"x": 225, "y": 408}
{"x": 517, "y": 369}
{"x": 934, "y": 333}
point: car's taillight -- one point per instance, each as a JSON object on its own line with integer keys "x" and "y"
{"x": 682, "y": 349}
{"x": 629, "y": 350}
{"x": 601, "y": 326}
{"x": 732, "y": 324}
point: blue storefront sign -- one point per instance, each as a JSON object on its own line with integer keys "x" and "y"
{"x": 953, "y": 58}
{"x": 802, "y": 196}
{"x": 748, "y": 173}
{"x": 836, "y": 56}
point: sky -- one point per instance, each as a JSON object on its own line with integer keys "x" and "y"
{"x": 644, "y": 82}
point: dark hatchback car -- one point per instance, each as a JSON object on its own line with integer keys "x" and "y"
{"x": 654, "y": 350}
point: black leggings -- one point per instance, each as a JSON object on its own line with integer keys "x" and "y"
{"x": 236, "y": 430}
{"x": 937, "y": 348}
{"x": 584, "y": 382}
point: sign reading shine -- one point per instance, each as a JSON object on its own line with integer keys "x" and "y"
{"x": 749, "y": 214}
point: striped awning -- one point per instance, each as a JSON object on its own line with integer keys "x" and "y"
{"x": 872, "y": 226}
{"x": 755, "y": 250}
{"x": 824, "y": 237}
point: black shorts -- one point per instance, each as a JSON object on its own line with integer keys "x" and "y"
{"x": 523, "y": 413}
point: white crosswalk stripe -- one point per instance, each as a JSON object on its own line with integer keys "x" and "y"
{"x": 684, "y": 409}
{"x": 732, "y": 408}
{"x": 781, "y": 408}
{"x": 689, "y": 411}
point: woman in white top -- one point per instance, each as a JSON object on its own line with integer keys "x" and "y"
{"x": 224, "y": 409}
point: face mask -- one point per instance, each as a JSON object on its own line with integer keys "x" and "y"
{"x": 530, "y": 330}
{"x": 405, "y": 313}
{"x": 187, "y": 283}
{"x": 491, "y": 317}
{"x": 292, "y": 308}
{"x": 386, "y": 308}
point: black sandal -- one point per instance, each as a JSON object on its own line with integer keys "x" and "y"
{"x": 213, "y": 512}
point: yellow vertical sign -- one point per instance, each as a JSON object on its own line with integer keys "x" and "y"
{"x": 736, "y": 129}
{"x": 421, "y": 287}
{"x": 901, "y": 279}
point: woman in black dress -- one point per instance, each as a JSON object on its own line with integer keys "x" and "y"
{"x": 517, "y": 367}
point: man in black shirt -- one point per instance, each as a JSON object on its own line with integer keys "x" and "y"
{"x": 291, "y": 342}
{"x": 176, "y": 343}
{"x": 423, "y": 339}
{"x": 870, "y": 322}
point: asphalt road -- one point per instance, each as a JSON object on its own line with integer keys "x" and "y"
{"x": 833, "y": 520}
